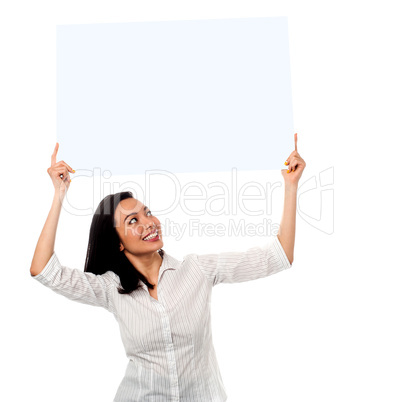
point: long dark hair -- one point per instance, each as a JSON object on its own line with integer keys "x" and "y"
{"x": 103, "y": 250}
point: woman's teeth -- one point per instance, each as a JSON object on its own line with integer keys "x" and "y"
{"x": 152, "y": 236}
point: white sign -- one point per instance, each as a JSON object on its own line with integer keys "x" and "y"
{"x": 182, "y": 96}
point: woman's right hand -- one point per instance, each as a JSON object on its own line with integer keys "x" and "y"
{"x": 59, "y": 172}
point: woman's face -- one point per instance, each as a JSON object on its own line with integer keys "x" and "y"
{"x": 134, "y": 221}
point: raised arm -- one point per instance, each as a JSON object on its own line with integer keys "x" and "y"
{"x": 59, "y": 173}
{"x": 286, "y": 233}
{"x": 233, "y": 266}
{"x": 83, "y": 287}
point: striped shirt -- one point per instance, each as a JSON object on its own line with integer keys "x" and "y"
{"x": 168, "y": 342}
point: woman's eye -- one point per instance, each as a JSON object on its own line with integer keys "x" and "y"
{"x": 148, "y": 212}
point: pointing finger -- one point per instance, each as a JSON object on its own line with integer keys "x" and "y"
{"x": 296, "y": 142}
{"x": 53, "y": 157}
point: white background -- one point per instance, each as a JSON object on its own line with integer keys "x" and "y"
{"x": 319, "y": 331}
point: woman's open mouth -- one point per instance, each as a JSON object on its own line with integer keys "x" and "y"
{"x": 152, "y": 237}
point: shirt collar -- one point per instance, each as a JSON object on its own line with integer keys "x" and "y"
{"x": 168, "y": 262}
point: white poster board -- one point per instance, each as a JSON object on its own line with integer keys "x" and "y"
{"x": 181, "y": 96}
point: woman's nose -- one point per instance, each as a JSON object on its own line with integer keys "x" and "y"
{"x": 149, "y": 224}
{"x": 145, "y": 226}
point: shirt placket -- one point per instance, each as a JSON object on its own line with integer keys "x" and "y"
{"x": 170, "y": 350}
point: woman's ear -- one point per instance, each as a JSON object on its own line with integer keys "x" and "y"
{"x": 121, "y": 246}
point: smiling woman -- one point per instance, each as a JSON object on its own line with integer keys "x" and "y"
{"x": 162, "y": 304}
{"x": 117, "y": 242}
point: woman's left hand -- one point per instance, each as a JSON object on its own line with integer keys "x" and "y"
{"x": 295, "y": 164}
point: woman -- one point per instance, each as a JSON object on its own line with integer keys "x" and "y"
{"x": 162, "y": 305}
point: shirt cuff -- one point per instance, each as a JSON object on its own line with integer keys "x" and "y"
{"x": 281, "y": 253}
{"x": 49, "y": 270}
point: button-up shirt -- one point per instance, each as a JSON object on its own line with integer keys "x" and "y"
{"x": 168, "y": 342}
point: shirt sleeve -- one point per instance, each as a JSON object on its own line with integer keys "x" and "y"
{"x": 255, "y": 263}
{"x": 82, "y": 287}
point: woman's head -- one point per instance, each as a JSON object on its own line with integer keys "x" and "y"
{"x": 138, "y": 230}
{"x": 116, "y": 235}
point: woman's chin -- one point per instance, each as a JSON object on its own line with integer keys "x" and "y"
{"x": 155, "y": 244}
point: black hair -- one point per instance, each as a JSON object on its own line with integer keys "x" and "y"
{"x": 103, "y": 250}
